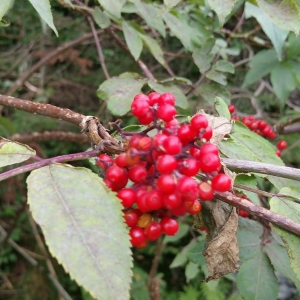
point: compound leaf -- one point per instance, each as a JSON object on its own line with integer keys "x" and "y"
{"x": 101, "y": 18}
{"x": 113, "y": 7}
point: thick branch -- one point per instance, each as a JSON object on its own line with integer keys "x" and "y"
{"x": 42, "y": 109}
{"x": 259, "y": 211}
{"x": 262, "y": 168}
{"x": 47, "y": 58}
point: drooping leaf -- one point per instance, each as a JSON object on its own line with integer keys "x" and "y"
{"x": 101, "y": 18}
{"x": 195, "y": 255}
{"x": 222, "y": 7}
{"x": 216, "y": 76}
{"x": 281, "y": 262}
{"x": 291, "y": 210}
{"x": 261, "y": 64}
{"x": 224, "y": 66}
{"x": 203, "y": 61}
{"x": 114, "y": 7}
{"x": 275, "y": 34}
{"x": 249, "y": 238}
{"x": 138, "y": 288}
{"x": 120, "y": 91}
{"x": 133, "y": 40}
{"x": 181, "y": 257}
{"x": 154, "y": 48}
{"x": 285, "y": 13}
{"x": 283, "y": 81}
{"x": 44, "y": 10}
{"x": 191, "y": 271}
{"x": 171, "y": 3}
{"x": 4, "y": 5}
{"x": 152, "y": 16}
{"x": 178, "y": 28}
{"x": 84, "y": 229}
{"x": 256, "y": 279}
{"x": 181, "y": 100}
{"x": 222, "y": 108}
{"x": 13, "y": 152}
{"x": 210, "y": 91}
{"x": 293, "y": 48}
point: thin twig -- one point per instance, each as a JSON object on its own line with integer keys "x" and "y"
{"x": 99, "y": 48}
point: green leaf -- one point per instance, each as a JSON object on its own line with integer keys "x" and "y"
{"x": 222, "y": 108}
{"x": 181, "y": 258}
{"x": 44, "y": 10}
{"x": 13, "y": 152}
{"x": 120, "y": 91}
{"x": 203, "y": 61}
{"x": 293, "y": 48}
{"x": 283, "y": 81}
{"x": 291, "y": 210}
{"x": 256, "y": 279}
{"x": 275, "y": 34}
{"x": 154, "y": 48}
{"x": 84, "y": 228}
{"x": 4, "y": 5}
{"x": 216, "y": 76}
{"x": 152, "y": 16}
{"x": 181, "y": 100}
{"x": 139, "y": 289}
{"x": 224, "y": 66}
{"x": 114, "y": 7}
{"x": 249, "y": 238}
{"x": 171, "y": 3}
{"x": 261, "y": 64}
{"x": 191, "y": 271}
{"x": 281, "y": 261}
{"x": 101, "y": 18}
{"x": 133, "y": 40}
{"x": 195, "y": 254}
{"x": 209, "y": 92}
{"x": 179, "y": 29}
{"x": 222, "y": 7}
{"x": 189, "y": 293}
{"x": 251, "y": 182}
{"x": 285, "y": 13}
{"x": 183, "y": 230}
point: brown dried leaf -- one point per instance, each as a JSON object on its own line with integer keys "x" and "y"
{"x": 220, "y": 126}
{"x": 221, "y": 250}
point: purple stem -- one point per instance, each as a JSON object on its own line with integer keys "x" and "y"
{"x": 49, "y": 161}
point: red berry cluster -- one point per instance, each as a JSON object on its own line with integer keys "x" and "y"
{"x": 260, "y": 127}
{"x": 154, "y": 178}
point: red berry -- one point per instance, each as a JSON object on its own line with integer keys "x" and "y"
{"x": 134, "y": 141}
{"x": 145, "y": 143}
{"x": 188, "y": 188}
{"x": 167, "y": 98}
{"x": 131, "y": 157}
{"x": 185, "y": 133}
{"x": 278, "y": 152}
{"x": 104, "y": 161}
{"x": 208, "y": 133}
{"x": 141, "y": 202}
{"x": 110, "y": 185}
{"x": 141, "y": 97}
{"x": 153, "y": 231}
{"x": 195, "y": 208}
{"x": 153, "y": 98}
{"x": 154, "y": 200}
{"x": 206, "y": 192}
{"x": 166, "y": 164}
{"x": 209, "y": 148}
{"x": 172, "y": 201}
{"x": 198, "y": 122}
{"x": 281, "y": 145}
{"x": 169, "y": 226}
{"x": 127, "y": 196}
{"x": 210, "y": 162}
{"x": 118, "y": 176}
{"x": 231, "y": 108}
{"x": 137, "y": 236}
{"x": 262, "y": 124}
{"x": 140, "y": 107}
{"x": 243, "y": 213}
{"x": 158, "y": 139}
{"x": 137, "y": 173}
{"x": 131, "y": 217}
{"x": 166, "y": 184}
{"x": 195, "y": 152}
{"x": 121, "y": 160}
{"x": 172, "y": 145}
{"x": 146, "y": 118}
{"x": 189, "y": 167}
{"x": 180, "y": 210}
{"x": 221, "y": 183}
{"x": 144, "y": 220}
{"x": 166, "y": 112}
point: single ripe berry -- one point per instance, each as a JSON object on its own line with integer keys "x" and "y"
{"x": 208, "y": 148}
{"x": 134, "y": 141}
{"x": 158, "y": 139}
{"x": 194, "y": 208}
{"x": 281, "y": 145}
{"x": 172, "y": 201}
{"x": 206, "y": 192}
{"x": 104, "y": 161}
{"x": 166, "y": 112}
{"x": 146, "y": 118}
{"x": 140, "y": 107}
{"x": 121, "y": 160}
{"x": 185, "y": 133}
{"x": 166, "y": 184}
{"x": 195, "y": 152}
{"x": 118, "y": 176}
{"x": 278, "y": 152}
{"x": 172, "y": 145}
{"x": 131, "y": 217}
{"x": 166, "y": 164}
{"x": 231, "y": 108}
{"x": 169, "y": 226}
{"x": 153, "y": 98}
{"x": 207, "y": 134}
{"x": 221, "y": 183}
{"x": 137, "y": 173}
{"x": 145, "y": 143}
{"x": 180, "y": 210}
{"x": 127, "y": 196}
{"x": 110, "y": 185}
{"x": 137, "y": 236}
{"x": 167, "y": 98}
{"x": 153, "y": 231}
{"x": 131, "y": 157}
{"x": 188, "y": 188}
{"x": 141, "y": 202}
{"x": 189, "y": 167}
{"x": 210, "y": 162}
{"x": 154, "y": 200}
{"x": 198, "y": 122}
